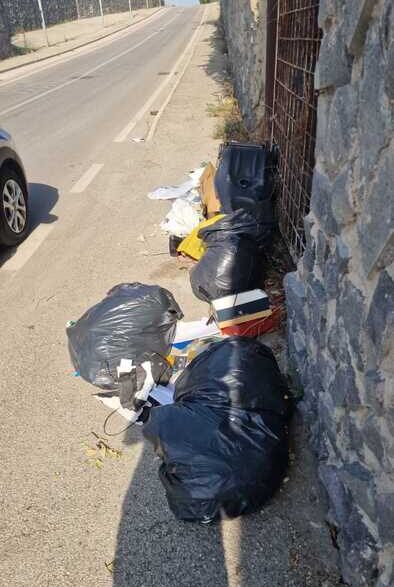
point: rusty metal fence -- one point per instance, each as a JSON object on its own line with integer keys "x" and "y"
{"x": 293, "y": 27}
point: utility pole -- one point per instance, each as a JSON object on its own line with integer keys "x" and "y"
{"x": 130, "y": 9}
{"x": 77, "y": 7}
{"x": 44, "y": 26}
{"x": 101, "y": 12}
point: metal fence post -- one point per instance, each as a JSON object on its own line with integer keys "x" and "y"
{"x": 77, "y": 7}
{"x": 101, "y": 12}
{"x": 130, "y": 8}
{"x": 44, "y": 27}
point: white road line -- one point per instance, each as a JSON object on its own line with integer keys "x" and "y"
{"x": 27, "y": 248}
{"x": 122, "y": 136}
{"x": 192, "y": 47}
{"x": 74, "y": 80}
{"x": 87, "y": 178}
{"x": 37, "y": 67}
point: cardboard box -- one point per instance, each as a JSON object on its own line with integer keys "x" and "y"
{"x": 240, "y": 308}
{"x": 209, "y": 199}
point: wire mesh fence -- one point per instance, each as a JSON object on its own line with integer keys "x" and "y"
{"x": 294, "y": 104}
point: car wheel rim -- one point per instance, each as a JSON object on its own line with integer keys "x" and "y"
{"x": 14, "y": 206}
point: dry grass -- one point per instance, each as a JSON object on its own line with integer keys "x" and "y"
{"x": 229, "y": 125}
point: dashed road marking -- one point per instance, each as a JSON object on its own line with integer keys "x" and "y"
{"x": 27, "y": 248}
{"x": 87, "y": 178}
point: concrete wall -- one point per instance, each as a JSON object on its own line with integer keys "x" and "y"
{"x": 341, "y": 299}
{"x": 24, "y": 14}
{"x": 245, "y": 30}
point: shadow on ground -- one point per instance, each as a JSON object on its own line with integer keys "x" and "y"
{"x": 285, "y": 545}
{"x": 42, "y": 199}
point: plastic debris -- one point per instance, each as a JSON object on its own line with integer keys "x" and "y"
{"x": 224, "y": 442}
{"x": 181, "y": 219}
{"x": 192, "y": 245}
{"x": 184, "y": 190}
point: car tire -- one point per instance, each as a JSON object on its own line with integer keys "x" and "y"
{"x": 14, "y": 211}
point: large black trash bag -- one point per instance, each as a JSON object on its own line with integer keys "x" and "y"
{"x": 244, "y": 179}
{"x": 224, "y": 442}
{"x": 232, "y": 261}
{"x": 134, "y": 321}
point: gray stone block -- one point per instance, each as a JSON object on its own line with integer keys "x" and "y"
{"x": 351, "y": 310}
{"x": 341, "y": 205}
{"x": 385, "y": 516}
{"x": 334, "y": 66}
{"x": 321, "y": 202}
{"x": 380, "y": 320}
{"x": 376, "y": 224}
{"x": 357, "y": 18}
{"x": 375, "y": 122}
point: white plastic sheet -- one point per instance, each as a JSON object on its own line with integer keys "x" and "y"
{"x": 181, "y": 219}
{"x": 187, "y": 189}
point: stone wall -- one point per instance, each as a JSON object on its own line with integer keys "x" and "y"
{"x": 341, "y": 298}
{"x": 5, "y": 37}
{"x": 244, "y": 23}
{"x": 24, "y": 14}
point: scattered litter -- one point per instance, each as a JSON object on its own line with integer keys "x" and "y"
{"x": 192, "y": 245}
{"x": 181, "y": 219}
{"x": 209, "y": 199}
{"x": 154, "y": 112}
{"x": 173, "y": 244}
{"x": 187, "y": 189}
{"x": 141, "y": 238}
{"x": 102, "y": 450}
{"x": 247, "y": 314}
{"x": 134, "y": 321}
{"x": 187, "y": 332}
{"x": 172, "y": 192}
{"x": 137, "y": 139}
{"x": 224, "y": 442}
{"x": 110, "y": 566}
{"x": 159, "y": 395}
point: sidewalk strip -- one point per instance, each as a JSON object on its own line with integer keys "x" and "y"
{"x": 192, "y": 47}
{"x": 122, "y": 136}
{"x": 87, "y": 178}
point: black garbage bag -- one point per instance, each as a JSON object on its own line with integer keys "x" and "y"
{"x": 245, "y": 179}
{"x": 134, "y": 321}
{"x": 232, "y": 261}
{"x": 224, "y": 442}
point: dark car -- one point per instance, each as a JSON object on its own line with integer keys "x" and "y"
{"x": 14, "y": 211}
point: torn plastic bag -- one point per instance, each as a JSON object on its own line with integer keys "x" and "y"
{"x": 224, "y": 442}
{"x": 231, "y": 263}
{"x": 134, "y": 321}
{"x": 181, "y": 219}
{"x": 244, "y": 179}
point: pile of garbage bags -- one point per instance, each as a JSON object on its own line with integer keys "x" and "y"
{"x": 237, "y": 203}
{"x": 224, "y": 442}
{"x": 222, "y": 429}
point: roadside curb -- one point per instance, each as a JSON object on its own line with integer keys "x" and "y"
{"x": 85, "y": 44}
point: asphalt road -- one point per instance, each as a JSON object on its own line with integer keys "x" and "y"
{"x": 64, "y": 117}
